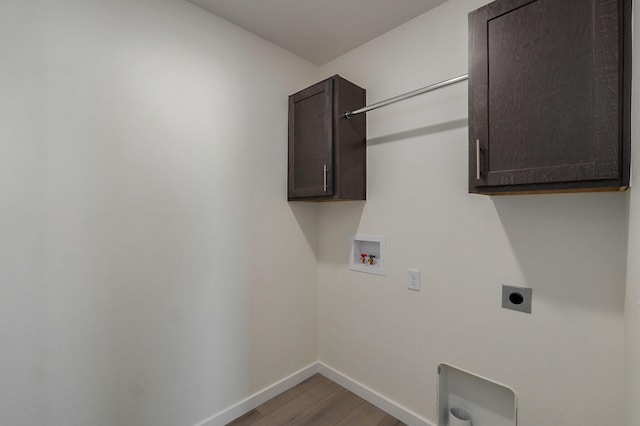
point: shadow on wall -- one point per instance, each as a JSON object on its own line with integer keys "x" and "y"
{"x": 571, "y": 248}
{"x": 422, "y": 131}
{"x": 349, "y": 215}
{"x": 306, "y": 214}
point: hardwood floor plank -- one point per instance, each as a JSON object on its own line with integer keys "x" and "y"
{"x": 333, "y": 409}
{"x": 389, "y": 420}
{"x": 290, "y": 413}
{"x": 364, "y": 414}
{"x": 247, "y": 419}
{"x": 283, "y": 398}
{"x": 325, "y": 389}
{"x": 316, "y": 401}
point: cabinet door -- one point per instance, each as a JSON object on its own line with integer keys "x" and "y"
{"x": 545, "y": 94}
{"x": 311, "y": 141}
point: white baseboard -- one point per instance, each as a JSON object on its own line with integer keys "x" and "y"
{"x": 382, "y": 402}
{"x": 248, "y": 404}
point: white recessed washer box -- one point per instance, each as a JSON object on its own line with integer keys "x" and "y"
{"x": 374, "y": 249}
{"x": 482, "y": 401}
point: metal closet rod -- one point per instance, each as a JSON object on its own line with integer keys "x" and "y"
{"x": 404, "y": 96}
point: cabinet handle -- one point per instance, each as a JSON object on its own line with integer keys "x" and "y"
{"x": 477, "y": 159}
{"x": 325, "y": 178}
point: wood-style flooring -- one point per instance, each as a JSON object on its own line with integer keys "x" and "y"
{"x": 317, "y": 401}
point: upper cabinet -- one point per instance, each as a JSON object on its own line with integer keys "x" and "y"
{"x": 549, "y": 96}
{"x": 327, "y": 151}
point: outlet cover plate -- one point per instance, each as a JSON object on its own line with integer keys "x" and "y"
{"x": 413, "y": 278}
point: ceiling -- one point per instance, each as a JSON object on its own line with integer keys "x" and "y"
{"x": 318, "y": 30}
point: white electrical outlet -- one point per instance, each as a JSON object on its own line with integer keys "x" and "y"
{"x": 414, "y": 279}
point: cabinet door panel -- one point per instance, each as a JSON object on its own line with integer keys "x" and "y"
{"x": 545, "y": 92}
{"x": 540, "y": 91}
{"x": 311, "y": 171}
{"x": 608, "y": 85}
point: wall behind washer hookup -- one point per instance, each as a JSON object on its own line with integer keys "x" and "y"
{"x": 565, "y": 361}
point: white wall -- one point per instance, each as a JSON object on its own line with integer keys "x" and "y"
{"x": 632, "y": 306}
{"x": 151, "y": 271}
{"x": 565, "y": 361}
{"x": 21, "y": 215}
{"x": 144, "y": 278}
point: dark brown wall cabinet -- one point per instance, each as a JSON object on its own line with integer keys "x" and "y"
{"x": 549, "y": 96}
{"x": 327, "y": 152}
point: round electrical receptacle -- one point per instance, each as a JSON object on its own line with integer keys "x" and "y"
{"x": 516, "y": 298}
